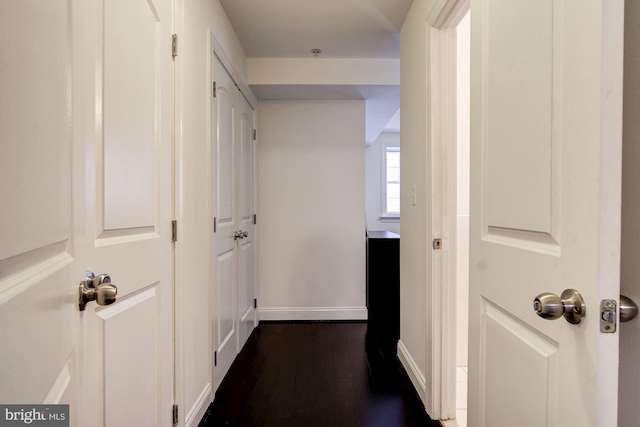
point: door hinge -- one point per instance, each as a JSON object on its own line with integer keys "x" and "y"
{"x": 215, "y": 224}
{"x": 255, "y": 219}
{"x": 255, "y": 134}
{"x": 174, "y": 45}
{"x": 215, "y": 89}
{"x": 174, "y": 231}
{"x": 437, "y": 244}
{"x": 255, "y": 303}
{"x": 175, "y": 415}
{"x": 215, "y": 358}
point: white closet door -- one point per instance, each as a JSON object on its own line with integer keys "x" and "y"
{"x": 232, "y": 200}
{"x": 247, "y": 248}
{"x": 225, "y": 248}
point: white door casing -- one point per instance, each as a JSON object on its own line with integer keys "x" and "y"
{"x": 128, "y": 349}
{"x": 42, "y": 255}
{"x": 545, "y": 209}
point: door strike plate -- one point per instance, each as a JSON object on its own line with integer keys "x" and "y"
{"x": 608, "y": 316}
{"x": 437, "y": 244}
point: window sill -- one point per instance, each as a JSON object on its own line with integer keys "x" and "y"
{"x": 389, "y": 218}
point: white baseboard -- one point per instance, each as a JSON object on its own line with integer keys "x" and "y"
{"x": 313, "y": 313}
{"x": 198, "y": 410}
{"x": 415, "y": 375}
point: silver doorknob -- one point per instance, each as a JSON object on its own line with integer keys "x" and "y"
{"x": 244, "y": 233}
{"x": 237, "y": 235}
{"x": 628, "y": 309}
{"x": 570, "y": 305}
{"x": 98, "y": 289}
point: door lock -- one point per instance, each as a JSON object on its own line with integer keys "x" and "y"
{"x": 98, "y": 289}
{"x": 570, "y": 305}
{"x": 240, "y": 234}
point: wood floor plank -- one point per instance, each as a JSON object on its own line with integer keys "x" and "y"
{"x": 314, "y": 374}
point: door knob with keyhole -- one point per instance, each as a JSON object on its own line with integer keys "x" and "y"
{"x": 570, "y": 305}
{"x": 98, "y": 289}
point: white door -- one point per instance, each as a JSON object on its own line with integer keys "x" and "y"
{"x": 128, "y": 345}
{"x": 233, "y": 254}
{"x": 545, "y": 209}
{"x": 42, "y": 255}
{"x": 247, "y": 248}
{"x": 225, "y": 249}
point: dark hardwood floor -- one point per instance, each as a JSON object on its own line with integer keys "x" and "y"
{"x": 315, "y": 374}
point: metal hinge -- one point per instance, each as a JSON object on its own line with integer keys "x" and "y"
{"x": 255, "y": 303}
{"x": 175, "y": 415}
{"x": 437, "y": 244}
{"x": 215, "y": 224}
{"x": 255, "y": 134}
{"x": 215, "y": 89}
{"x": 174, "y": 231}
{"x": 255, "y": 219}
{"x": 215, "y": 358}
{"x": 174, "y": 45}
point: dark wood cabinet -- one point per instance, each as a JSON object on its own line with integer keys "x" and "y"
{"x": 383, "y": 290}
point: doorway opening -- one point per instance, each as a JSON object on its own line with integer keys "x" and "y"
{"x": 451, "y": 79}
{"x": 463, "y": 59}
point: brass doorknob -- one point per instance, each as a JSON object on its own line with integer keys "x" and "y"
{"x": 98, "y": 289}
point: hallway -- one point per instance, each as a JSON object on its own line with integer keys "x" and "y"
{"x": 314, "y": 374}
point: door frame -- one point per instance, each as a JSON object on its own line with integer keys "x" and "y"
{"x": 441, "y": 28}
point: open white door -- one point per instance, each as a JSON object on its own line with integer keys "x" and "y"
{"x": 128, "y": 344}
{"x": 42, "y": 257}
{"x": 545, "y": 209}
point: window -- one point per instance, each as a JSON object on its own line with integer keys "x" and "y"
{"x": 391, "y": 190}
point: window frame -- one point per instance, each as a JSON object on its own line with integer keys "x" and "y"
{"x": 386, "y": 215}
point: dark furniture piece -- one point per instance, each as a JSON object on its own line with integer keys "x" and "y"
{"x": 383, "y": 290}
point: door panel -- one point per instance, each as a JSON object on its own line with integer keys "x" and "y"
{"x": 225, "y": 252}
{"x": 41, "y": 262}
{"x": 131, "y": 103}
{"x": 129, "y": 211}
{"x": 130, "y": 340}
{"x": 246, "y": 273}
{"x": 545, "y": 209}
{"x": 519, "y": 42}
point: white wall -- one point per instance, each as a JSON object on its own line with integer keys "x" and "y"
{"x": 415, "y": 254}
{"x": 374, "y": 182}
{"x": 193, "y": 331}
{"x": 629, "y": 390}
{"x": 311, "y": 207}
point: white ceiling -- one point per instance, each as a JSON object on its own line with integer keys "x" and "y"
{"x": 340, "y": 28}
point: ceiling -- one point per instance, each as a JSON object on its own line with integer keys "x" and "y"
{"x": 341, "y": 29}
